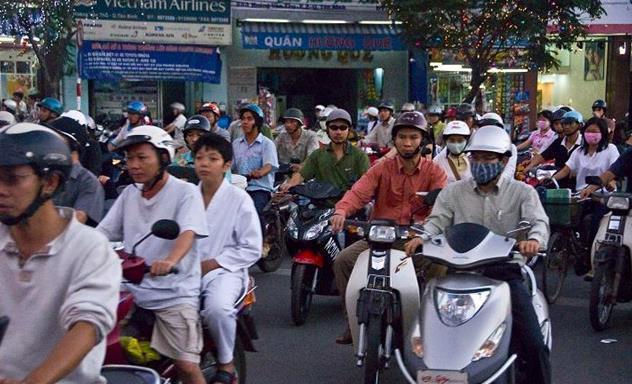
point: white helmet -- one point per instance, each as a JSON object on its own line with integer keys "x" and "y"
{"x": 456, "y": 127}
{"x": 6, "y": 118}
{"x": 76, "y": 116}
{"x": 326, "y": 112}
{"x": 10, "y": 105}
{"x": 491, "y": 118}
{"x": 372, "y": 111}
{"x": 490, "y": 138}
{"x": 408, "y": 107}
{"x": 179, "y": 106}
{"x": 319, "y": 108}
{"x": 435, "y": 109}
{"x": 155, "y": 136}
{"x": 90, "y": 122}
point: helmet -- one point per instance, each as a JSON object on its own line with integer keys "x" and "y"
{"x": 451, "y": 113}
{"x": 294, "y": 114}
{"x": 10, "y": 105}
{"x": 319, "y": 107}
{"x": 70, "y": 128}
{"x": 491, "y": 118}
{"x": 198, "y": 122}
{"x": 325, "y": 112}
{"x": 410, "y": 120}
{"x": 572, "y": 116}
{"x": 558, "y": 115}
{"x": 256, "y": 110}
{"x": 90, "y": 123}
{"x": 372, "y": 111}
{"x": 52, "y": 104}
{"x": 435, "y": 110}
{"x": 490, "y": 138}
{"x": 386, "y": 104}
{"x": 179, "y": 106}
{"x": 209, "y": 107}
{"x": 465, "y": 110}
{"x": 408, "y": 107}
{"x": 456, "y": 127}
{"x": 599, "y": 103}
{"x": 76, "y": 116}
{"x": 339, "y": 114}
{"x": 155, "y": 136}
{"x": 6, "y": 118}
{"x": 137, "y": 107}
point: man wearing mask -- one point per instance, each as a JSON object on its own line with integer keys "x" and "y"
{"x": 452, "y": 158}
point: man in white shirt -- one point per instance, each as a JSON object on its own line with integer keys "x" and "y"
{"x": 177, "y": 125}
{"x": 59, "y": 278}
{"x": 381, "y": 133}
{"x": 225, "y": 256}
{"x": 155, "y": 195}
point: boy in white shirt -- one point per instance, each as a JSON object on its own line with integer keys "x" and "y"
{"x": 226, "y": 256}
{"x": 173, "y": 298}
{"x": 59, "y": 279}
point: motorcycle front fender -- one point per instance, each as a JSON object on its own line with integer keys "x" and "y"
{"x": 309, "y": 257}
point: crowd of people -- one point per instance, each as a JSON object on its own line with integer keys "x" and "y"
{"x": 53, "y": 264}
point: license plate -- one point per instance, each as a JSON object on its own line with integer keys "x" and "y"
{"x": 441, "y": 377}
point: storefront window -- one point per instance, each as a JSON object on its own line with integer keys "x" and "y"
{"x": 15, "y": 74}
{"x": 108, "y": 99}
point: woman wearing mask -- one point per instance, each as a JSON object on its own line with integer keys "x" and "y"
{"x": 543, "y": 136}
{"x": 452, "y": 158}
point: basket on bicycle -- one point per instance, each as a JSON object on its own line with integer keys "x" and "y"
{"x": 562, "y": 210}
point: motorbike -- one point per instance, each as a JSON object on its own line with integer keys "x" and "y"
{"x": 459, "y": 329}
{"x": 117, "y": 368}
{"x": 610, "y": 256}
{"x": 312, "y": 245}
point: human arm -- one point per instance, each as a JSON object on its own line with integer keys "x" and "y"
{"x": 532, "y": 211}
{"x": 296, "y": 179}
{"x": 562, "y": 173}
{"x": 270, "y": 160}
{"x": 525, "y": 144}
{"x": 359, "y": 195}
{"x": 90, "y": 200}
{"x": 536, "y": 160}
{"x": 170, "y": 128}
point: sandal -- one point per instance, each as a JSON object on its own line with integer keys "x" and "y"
{"x": 224, "y": 377}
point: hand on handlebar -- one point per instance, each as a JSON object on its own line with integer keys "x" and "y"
{"x": 586, "y": 192}
{"x": 337, "y": 223}
{"x": 162, "y": 267}
{"x": 529, "y": 248}
{"x": 411, "y": 247}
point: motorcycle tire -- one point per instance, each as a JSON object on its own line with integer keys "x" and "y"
{"x": 599, "y": 310}
{"x": 273, "y": 260}
{"x": 372, "y": 357}
{"x": 555, "y": 267}
{"x": 209, "y": 364}
{"x": 302, "y": 295}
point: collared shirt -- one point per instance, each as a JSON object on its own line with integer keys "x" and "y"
{"x": 249, "y": 157}
{"x": 394, "y": 191}
{"x": 558, "y": 151}
{"x": 222, "y": 132}
{"x": 500, "y": 210}
{"x": 287, "y": 150}
{"x": 83, "y": 192}
{"x": 381, "y": 134}
{"x": 322, "y": 165}
{"x": 540, "y": 141}
{"x": 76, "y": 277}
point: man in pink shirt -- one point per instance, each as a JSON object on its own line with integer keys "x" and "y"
{"x": 393, "y": 183}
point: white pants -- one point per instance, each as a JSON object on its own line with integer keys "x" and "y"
{"x": 220, "y": 291}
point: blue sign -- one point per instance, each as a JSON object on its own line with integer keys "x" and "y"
{"x": 324, "y": 42}
{"x": 111, "y": 61}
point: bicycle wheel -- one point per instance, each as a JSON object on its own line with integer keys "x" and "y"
{"x": 602, "y": 297}
{"x": 555, "y": 267}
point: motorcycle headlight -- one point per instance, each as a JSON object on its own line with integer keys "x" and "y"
{"x": 618, "y": 203}
{"x": 382, "y": 234}
{"x": 292, "y": 229}
{"x": 456, "y": 308}
{"x": 315, "y": 230}
{"x": 488, "y": 348}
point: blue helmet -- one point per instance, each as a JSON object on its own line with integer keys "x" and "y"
{"x": 573, "y": 116}
{"x": 136, "y": 106}
{"x": 256, "y": 110}
{"x": 52, "y": 104}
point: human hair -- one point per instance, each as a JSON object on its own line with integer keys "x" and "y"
{"x": 603, "y": 128}
{"x": 547, "y": 115}
{"x": 214, "y": 141}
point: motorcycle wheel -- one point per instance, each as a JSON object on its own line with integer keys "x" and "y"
{"x": 601, "y": 297}
{"x": 555, "y": 267}
{"x": 274, "y": 258}
{"x": 209, "y": 363}
{"x": 372, "y": 357}
{"x": 301, "y": 300}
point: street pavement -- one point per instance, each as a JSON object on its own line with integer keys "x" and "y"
{"x": 308, "y": 354}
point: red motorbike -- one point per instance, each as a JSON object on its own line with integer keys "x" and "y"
{"x": 117, "y": 368}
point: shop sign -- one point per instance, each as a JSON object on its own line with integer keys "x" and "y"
{"x": 343, "y": 57}
{"x": 307, "y": 41}
{"x": 310, "y": 5}
{"x": 112, "y": 61}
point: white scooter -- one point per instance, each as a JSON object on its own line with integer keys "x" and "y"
{"x": 459, "y": 331}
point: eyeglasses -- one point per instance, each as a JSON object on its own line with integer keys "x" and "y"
{"x": 338, "y": 127}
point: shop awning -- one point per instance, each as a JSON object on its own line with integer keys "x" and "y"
{"x": 327, "y": 37}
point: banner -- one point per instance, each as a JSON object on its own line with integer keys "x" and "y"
{"x": 310, "y": 5}
{"x": 328, "y": 42}
{"x": 111, "y": 61}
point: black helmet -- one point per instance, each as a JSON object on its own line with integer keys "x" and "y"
{"x": 294, "y": 114}
{"x": 599, "y": 103}
{"x": 41, "y": 148}
{"x": 464, "y": 111}
{"x": 410, "y": 120}
{"x": 558, "y": 115}
{"x": 198, "y": 122}
{"x": 71, "y": 129}
{"x": 386, "y": 104}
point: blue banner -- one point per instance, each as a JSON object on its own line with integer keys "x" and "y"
{"x": 113, "y": 61}
{"x": 325, "y": 42}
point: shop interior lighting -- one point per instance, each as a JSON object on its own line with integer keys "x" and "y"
{"x": 7, "y": 39}
{"x": 507, "y": 70}
{"x": 255, "y": 20}
{"x": 310, "y": 21}
{"x": 452, "y": 68}
{"x": 379, "y": 22}
{"x": 623, "y": 48}
{"x": 435, "y": 63}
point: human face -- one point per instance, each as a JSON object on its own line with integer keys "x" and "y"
{"x": 19, "y": 186}
{"x": 210, "y": 165}
{"x": 408, "y": 141}
{"x": 384, "y": 114}
{"x": 291, "y": 126}
{"x": 248, "y": 122}
{"x": 175, "y": 111}
{"x": 134, "y": 118}
{"x": 143, "y": 163}
{"x": 338, "y": 131}
{"x": 598, "y": 112}
{"x": 557, "y": 126}
{"x": 485, "y": 157}
{"x": 455, "y": 139}
{"x": 432, "y": 119}
{"x": 570, "y": 128}
{"x": 44, "y": 114}
{"x": 210, "y": 116}
{"x": 192, "y": 136}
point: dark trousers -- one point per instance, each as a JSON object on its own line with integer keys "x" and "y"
{"x": 526, "y": 334}
{"x": 260, "y": 198}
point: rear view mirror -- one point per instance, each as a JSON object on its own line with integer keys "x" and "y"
{"x": 594, "y": 180}
{"x": 4, "y": 324}
{"x": 165, "y": 229}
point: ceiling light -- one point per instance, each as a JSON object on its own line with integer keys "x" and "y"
{"x": 379, "y": 22}
{"x": 308, "y": 21}
{"x": 254, "y": 20}
{"x": 435, "y": 63}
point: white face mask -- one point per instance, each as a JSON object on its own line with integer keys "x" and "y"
{"x": 456, "y": 148}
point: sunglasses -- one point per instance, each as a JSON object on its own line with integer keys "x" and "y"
{"x": 338, "y": 127}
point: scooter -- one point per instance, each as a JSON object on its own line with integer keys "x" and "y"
{"x": 312, "y": 245}
{"x": 610, "y": 256}
{"x": 459, "y": 330}
{"x": 117, "y": 369}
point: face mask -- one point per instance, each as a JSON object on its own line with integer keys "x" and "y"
{"x": 592, "y": 137}
{"x": 542, "y": 125}
{"x": 483, "y": 173}
{"x": 456, "y": 148}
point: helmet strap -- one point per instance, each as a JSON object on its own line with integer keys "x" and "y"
{"x": 28, "y": 212}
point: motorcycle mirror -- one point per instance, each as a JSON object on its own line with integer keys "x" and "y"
{"x": 594, "y": 180}
{"x": 4, "y": 324}
{"x": 165, "y": 229}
